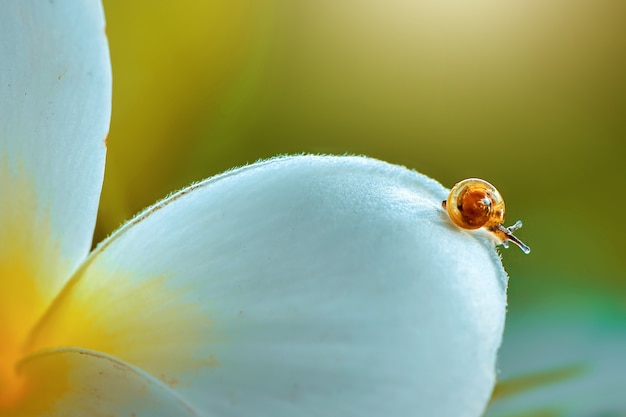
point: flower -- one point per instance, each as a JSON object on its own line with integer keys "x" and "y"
{"x": 304, "y": 285}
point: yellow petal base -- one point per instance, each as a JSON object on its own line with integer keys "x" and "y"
{"x": 20, "y": 302}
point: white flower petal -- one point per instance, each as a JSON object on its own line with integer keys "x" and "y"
{"x": 55, "y": 104}
{"x": 300, "y": 286}
{"x": 78, "y": 382}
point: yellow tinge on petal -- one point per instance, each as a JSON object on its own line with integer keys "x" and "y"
{"x": 24, "y": 264}
{"x": 143, "y": 323}
{"x": 38, "y": 391}
{"x": 73, "y": 382}
{"x": 18, "y": 295}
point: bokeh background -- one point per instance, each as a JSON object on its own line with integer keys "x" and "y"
{"x": 528, "y": 94}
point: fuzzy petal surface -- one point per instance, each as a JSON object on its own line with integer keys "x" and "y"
{"x": 297, "y": 286}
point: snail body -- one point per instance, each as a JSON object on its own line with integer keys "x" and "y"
{"x": 474, "y": 203}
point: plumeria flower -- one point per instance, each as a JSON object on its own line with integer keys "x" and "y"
{"x": 297, "y": 286}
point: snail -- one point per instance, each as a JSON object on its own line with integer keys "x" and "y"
{"x": 474, "y": 203}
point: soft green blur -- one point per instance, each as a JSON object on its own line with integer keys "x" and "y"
{"x": 530, "y": 95}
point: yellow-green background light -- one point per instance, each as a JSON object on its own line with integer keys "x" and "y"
{"x": 530, "y": 95}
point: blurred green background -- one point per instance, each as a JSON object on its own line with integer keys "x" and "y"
{"x": 530, "y": 95}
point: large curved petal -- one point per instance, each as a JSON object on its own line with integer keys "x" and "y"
{"x": 299, "y": 286}
{"x": 55, "y": 104}
{"x": 79, "y": 382}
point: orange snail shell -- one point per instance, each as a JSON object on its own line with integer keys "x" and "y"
{"x": 474, "y": 203}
